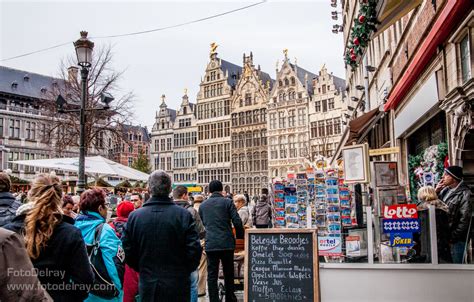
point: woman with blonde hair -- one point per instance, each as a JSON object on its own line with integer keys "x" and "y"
{"x": 56, "y": 248}
{"x": 427, "y": 196}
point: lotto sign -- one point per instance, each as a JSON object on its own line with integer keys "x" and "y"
{"x": 401, "y": 225}
{"x": 401, "y": 239}
{"x": 400, "y": 211}
{"x": 330, "y": 246}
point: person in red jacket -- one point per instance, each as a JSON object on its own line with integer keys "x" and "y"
{"x": 130, "y": 278}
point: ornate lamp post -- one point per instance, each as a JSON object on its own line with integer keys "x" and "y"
{"x": 84, "y": 49}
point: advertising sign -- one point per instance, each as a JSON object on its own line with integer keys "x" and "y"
{"x": 401, "y": 239}
{"x": 400, "y": 211}
{"x": 401, "y": 225}
{"x": 330, "y": 246}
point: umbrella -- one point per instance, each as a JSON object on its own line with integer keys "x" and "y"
{"x": 94, "y": 165}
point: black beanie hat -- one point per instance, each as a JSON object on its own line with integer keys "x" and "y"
{"x": 455, "y": 172}
{"x": 215, "y": 186}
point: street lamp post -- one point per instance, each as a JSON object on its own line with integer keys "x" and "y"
{"x": 84, "y": 49}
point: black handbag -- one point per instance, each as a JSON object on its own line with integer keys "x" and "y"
{"x": 103, "y": 285}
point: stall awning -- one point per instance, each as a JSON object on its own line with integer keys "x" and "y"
{"x": 390, "y": 11}
{"x": 359, "y": 126}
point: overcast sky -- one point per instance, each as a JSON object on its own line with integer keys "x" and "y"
{"x": 168, "y": 61}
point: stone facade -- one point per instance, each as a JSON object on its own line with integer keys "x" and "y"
{"x": 162, "y": 139}
{"x": 287, "y": 119}
{"x": 326, "y": 112}
{"x": 185, "y": 144}
{"x": 248, "y": 129}
{"x": 213, "y": 121}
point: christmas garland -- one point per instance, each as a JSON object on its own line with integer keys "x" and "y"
{"x": 364, "y": 26}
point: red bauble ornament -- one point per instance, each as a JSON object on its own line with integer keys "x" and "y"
{"x": 361, "y": 19}
{"x": 352, "y": 51}
{"x": 353, "y": 57}
{"x": 356, "y": 41}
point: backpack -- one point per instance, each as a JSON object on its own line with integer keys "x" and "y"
{"x": 103, "y": 285}
{"x": 261, "y": 214}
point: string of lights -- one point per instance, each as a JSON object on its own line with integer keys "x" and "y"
{"x": 140, "y": 32}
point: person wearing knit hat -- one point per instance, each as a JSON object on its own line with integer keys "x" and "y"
{"x": 130, "y": 278}
{"x": 454, "y": 192}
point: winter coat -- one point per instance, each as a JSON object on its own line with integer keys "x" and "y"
{"x": 14, "y": 258}
{"x": 262, "y": 212}
{"x": 66, "y": 253}
{"x": 197, "y": 219}
{"x": 217, "y": 213}
{"x": 460, "y": 210}
{"x": 161, "y": 243}
{"x": 130, "y": 277}
{"x": 8, "y": 207}
{"x": 111, "y": 248}
{"x": 244, "y": 215}
{"x": 442, "y": 232}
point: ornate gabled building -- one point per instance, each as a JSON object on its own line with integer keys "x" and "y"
{"x": 249, "y": 128}
{"x": 326, "y": 113}
{"x": 161, "y": 157}
{"x": 135, "y": 140}
{"x": 287, "y": 119}
{"x": 213, "y": 120}
{"x": 185, "y": 144}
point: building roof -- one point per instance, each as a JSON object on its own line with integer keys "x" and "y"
{"x": 28, "y": 84}
{"x": 301, "y": 73}
{"x": 137, "y": 129}
{"x": 339, "y": 83}
{"x": 234, "y": 72}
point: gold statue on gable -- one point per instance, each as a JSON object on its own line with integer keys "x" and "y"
{"x": 213, "y": 48}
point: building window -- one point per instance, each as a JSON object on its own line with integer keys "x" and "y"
{"x": 273, "y": 120}
{"x": 130, "y": 149}
{"x": 324, "y": 88}
{"x": 1, "y": 126}
{"x": 281, "y": 120}
{"x": 329, "y": 127}
{"x": 291, "y": 118}
{"x": 168, "y": 143}
{"x": 317, "y": 106}
{"x": 14, "y": 128}
{"x": 293, "y": 150}
{"x": 314, "y": 130}
{"x": 331, "y": 104}
{"x": 321, "y": 129}
{"x": 337, "y": 126}
{"x": 130, "y": 161}
{"x": 31, "y": 130}
{"x": 325, "y": 105}
{"x": 301, "y": 116}
{"x": 465, "y": 59}
{"x": 248, "y": 99}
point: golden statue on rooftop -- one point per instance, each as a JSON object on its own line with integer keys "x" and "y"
{"x": 213, "y": 47}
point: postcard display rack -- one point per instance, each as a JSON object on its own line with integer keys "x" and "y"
{"x": 322, "y": 194}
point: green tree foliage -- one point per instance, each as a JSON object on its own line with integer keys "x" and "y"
{"x": 142, "y": 163}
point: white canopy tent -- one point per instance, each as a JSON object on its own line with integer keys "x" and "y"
{"x": 96, "y": 166}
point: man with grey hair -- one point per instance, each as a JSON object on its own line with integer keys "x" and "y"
{"x": 161, "y": 243}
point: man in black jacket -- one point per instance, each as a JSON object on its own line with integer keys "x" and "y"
{"x": 456, "y": 194}
{"x": 8, "y": 204}
{"x": 161, "y": 243}
{"x": 217, "y": 213}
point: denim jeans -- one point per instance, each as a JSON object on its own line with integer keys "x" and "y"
{"x": 457, "y": 251}
{"x": 194, "y": 285}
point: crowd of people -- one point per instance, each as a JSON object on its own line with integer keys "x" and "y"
{"x": 168, "y": 247}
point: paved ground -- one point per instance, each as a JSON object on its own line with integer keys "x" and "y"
{"x": 239, "y": 294}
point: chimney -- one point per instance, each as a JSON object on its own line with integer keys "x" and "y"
{"x": 72, "y": 72}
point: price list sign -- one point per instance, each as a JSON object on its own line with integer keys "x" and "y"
{"x": 281, "y": 265}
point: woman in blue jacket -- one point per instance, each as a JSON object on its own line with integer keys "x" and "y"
{"x": 92, "y": 217}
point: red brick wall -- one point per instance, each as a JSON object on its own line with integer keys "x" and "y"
{"x": 419, "y": 29}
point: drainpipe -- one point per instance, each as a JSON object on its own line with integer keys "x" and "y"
{"x": 366, "y": 85}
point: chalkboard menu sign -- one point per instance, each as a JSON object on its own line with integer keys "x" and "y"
{"x": 281, "y": 265}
